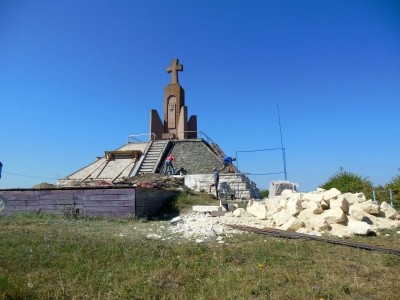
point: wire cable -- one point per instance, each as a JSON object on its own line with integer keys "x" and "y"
{"x": 22, "y": 175}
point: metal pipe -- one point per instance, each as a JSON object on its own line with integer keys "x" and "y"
{"x": 391, "y": 198}
{"x": 283, "y": 149}
{"x": 373, "y": 196}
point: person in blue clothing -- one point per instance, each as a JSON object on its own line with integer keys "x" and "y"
{"x": 216, "y": 182}
{"x": 227, "y": 162}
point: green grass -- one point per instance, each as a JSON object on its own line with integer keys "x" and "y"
{"x": 51, "y": 257}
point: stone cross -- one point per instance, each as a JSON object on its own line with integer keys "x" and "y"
{"x": 174, "y": 68}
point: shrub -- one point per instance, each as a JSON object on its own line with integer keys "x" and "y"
{"x": 394, "y": 185}
{"x": 347, "y": 182}
{"x": 264, "y": 193}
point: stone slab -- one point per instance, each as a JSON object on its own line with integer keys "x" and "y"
{"x": 206, "y": 208}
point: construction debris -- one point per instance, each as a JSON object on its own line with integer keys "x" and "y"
{"x": 321, "y": 212}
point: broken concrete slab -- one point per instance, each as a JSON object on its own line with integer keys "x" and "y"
{"x": 206, "y": 208}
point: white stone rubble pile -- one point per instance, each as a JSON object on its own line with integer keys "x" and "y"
{"x": 319, "y": 212}
{"x": 325, "y": 212}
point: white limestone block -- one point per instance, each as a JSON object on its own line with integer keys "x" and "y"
{"x": 388, "y": 211}
{"x": 293, "y": 206}
{"x": 330, "y": 194}
{"x": 272, "y": 203}
{"x": 340, "y": 230}
{"x": 315, "y": 207}
{"x": 239, "y": 212}
{"x": 334, "y": 215}
{"x": 305, "y": 215}
{"x": 281, "y": 217}
{"x": 356, "y": 211}
{"x": 293, "y": 224}
{"x": 287, "y": 193}
{"x": 325, "y": 204}
{"x": 340, "y": 202}
{"x": 270, "y": 213}
{"x": 309, "y": 231}
{"x": 312, "y": 197}
{"x": 370, "y": 207}
{"x": 359, "y": 227}
{"x": 257, "y": 209}
{"x": 206, "y": 208}
{"x": 318, "y": 223}
{"x": 319, "y": 190}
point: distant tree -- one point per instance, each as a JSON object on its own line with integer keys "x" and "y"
{"x": 347, "y": 182}
{"x": 394, "y": 185}
{"x": 264, "y": 193}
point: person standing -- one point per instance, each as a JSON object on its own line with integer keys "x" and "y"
{"x": 227, "y": 162}
{"x": 216, "y": 182}
{"x": 169, "y": 164}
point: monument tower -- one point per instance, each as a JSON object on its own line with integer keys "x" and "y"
{"x": 175, "y": 125}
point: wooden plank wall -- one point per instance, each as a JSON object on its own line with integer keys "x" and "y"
{"x": 149, "y": 201}
{"x": 106, "y": 202}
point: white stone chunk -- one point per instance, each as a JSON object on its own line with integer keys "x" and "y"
{"x": 334, "y": 215}
{"x": 206, "y": 208}
{"x": 287, "y": 193}
{"x": 312, "y": 197}
{"x": 293, "y": 206}
{"x": 239, "y": 212}
{"x": 340, "y": 202}
{"x": 315, "y": 207}
{"x": 330, "y": 194}
{"x": 356, "y": 211}
{"x": 340, "y": 230}
{"x": 281, "y": 217}
{"x": 257, "y": 209}
{"x": 359, "y": 228}
{"x": 272, "y": 203}
{"x": 388, "y": 211}
{"x": 370, "y": 207}
{"x": 292, "y": 224}
{"x": 318, "y": 223}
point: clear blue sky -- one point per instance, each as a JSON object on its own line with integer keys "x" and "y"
{"x": 78, "y": 77}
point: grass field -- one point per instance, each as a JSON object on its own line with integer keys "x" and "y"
{"x": 53, "y": 257}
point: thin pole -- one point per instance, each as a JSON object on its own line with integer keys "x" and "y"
{"x": 391, "y": 198}
{"x": 283, "y": 149}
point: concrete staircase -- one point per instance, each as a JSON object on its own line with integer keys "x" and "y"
{"x": 239, "y": 185}
{"x": 235, "y": 184}
{"x": 153, "y": 156}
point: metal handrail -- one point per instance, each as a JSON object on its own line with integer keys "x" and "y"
{"x": 152, "y": 137}
{"x": 199, "y": 132}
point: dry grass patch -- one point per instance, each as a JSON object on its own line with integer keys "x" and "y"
{"x": 45, "y": 257}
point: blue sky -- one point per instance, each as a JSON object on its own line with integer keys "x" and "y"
{"x": 78, "y": 77}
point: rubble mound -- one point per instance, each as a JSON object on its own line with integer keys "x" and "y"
{"x": 325, "y": 212}
{"x": 321, "y": 212}
{"x": 155, "y": 180}
{"x": 145, "y": 180}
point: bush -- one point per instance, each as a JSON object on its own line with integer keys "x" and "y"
{"x": 347, "y": 182}
{"x": 264, "y": 193}
{"x": 394, "y": 185}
